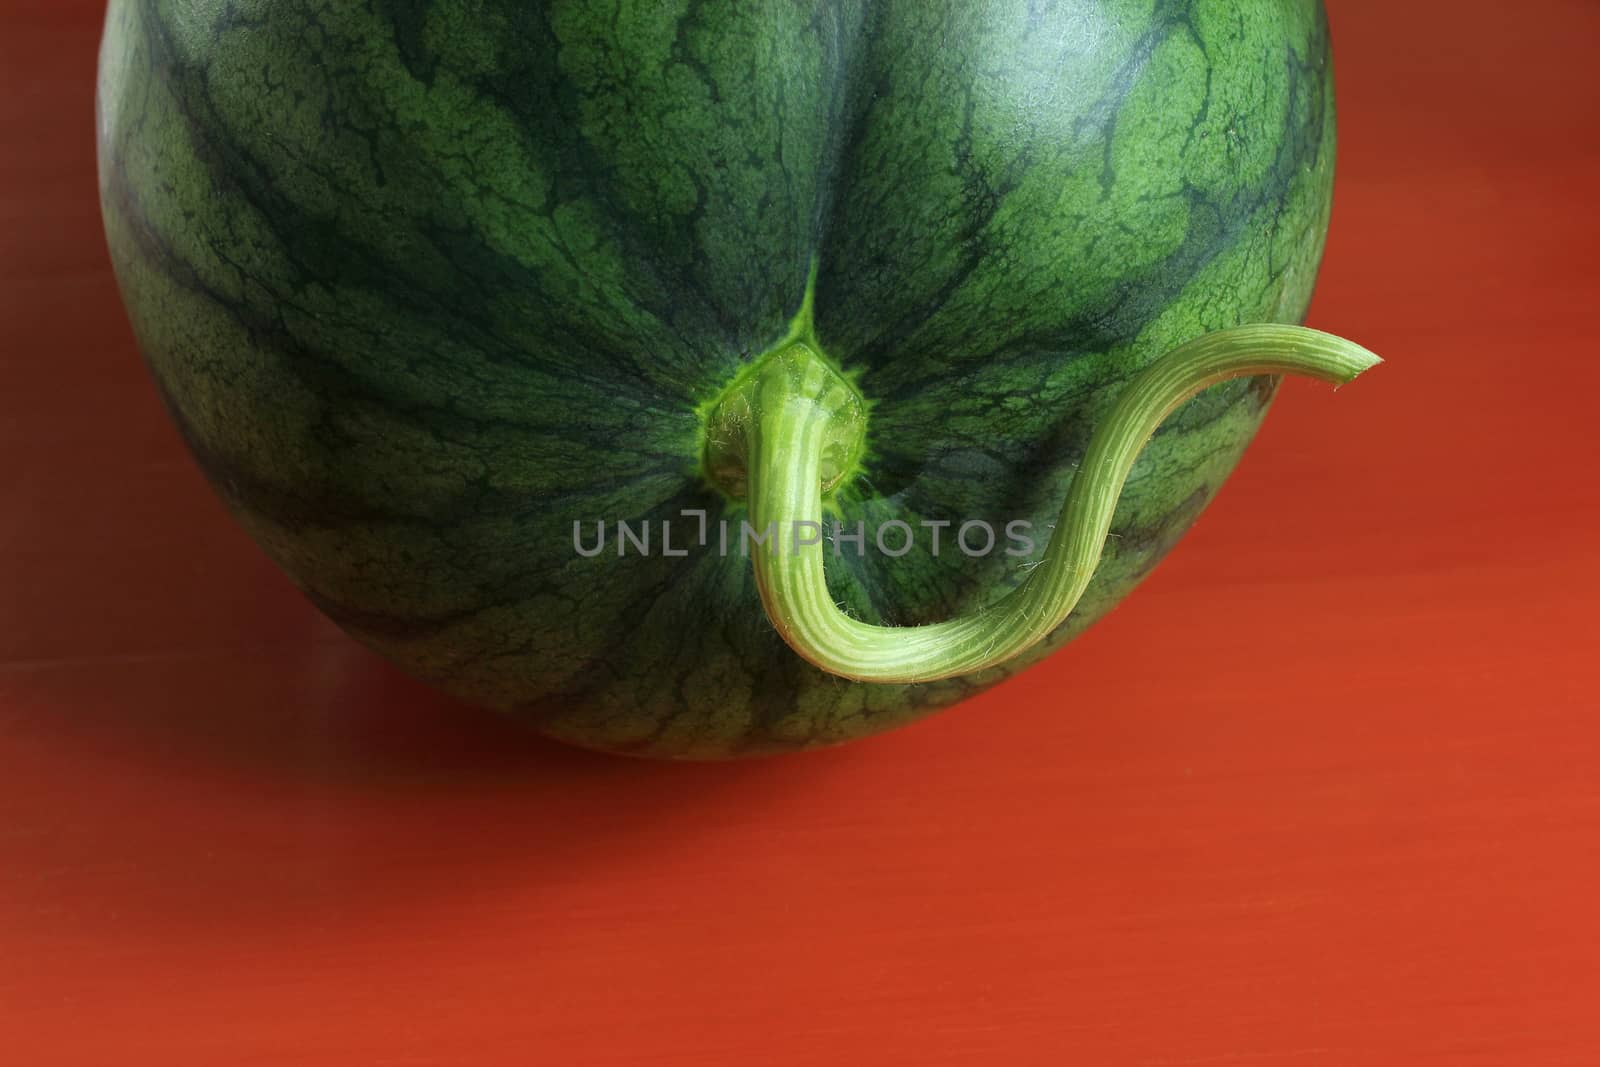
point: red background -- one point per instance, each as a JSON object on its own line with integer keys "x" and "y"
{"x": 1357, "y": 822}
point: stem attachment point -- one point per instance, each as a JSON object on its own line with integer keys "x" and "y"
{"x": 794, "y": 374}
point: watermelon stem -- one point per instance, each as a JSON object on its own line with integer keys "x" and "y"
{"x": 795, "y": 427}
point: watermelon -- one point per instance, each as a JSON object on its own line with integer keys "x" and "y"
{"x": 468, "y": 309}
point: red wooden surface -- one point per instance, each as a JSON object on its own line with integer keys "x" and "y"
{"x": 1357, "y": 823}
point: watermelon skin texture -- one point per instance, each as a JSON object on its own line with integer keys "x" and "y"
{"x": 422, "y": 284}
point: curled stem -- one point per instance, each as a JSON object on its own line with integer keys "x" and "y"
{"x": 794, "y": 423}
